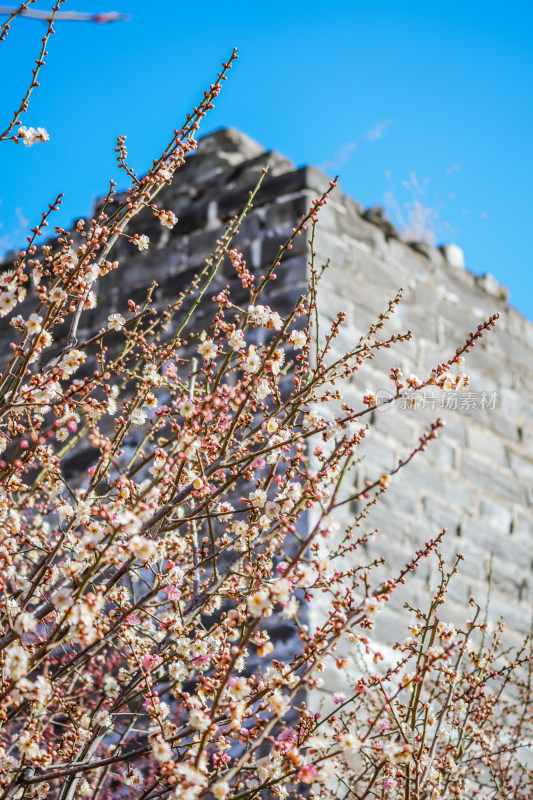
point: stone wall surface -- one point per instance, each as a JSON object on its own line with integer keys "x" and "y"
{"x": 477, "y": 479}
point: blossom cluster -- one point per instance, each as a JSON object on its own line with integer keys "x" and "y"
{"x": 137, "y": 658}
{"x": 30, "y": 135}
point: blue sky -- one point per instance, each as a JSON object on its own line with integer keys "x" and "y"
{"x": 387, "y": 93}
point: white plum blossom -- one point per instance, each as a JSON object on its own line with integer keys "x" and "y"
{"x": 178, "y": 671}
{"x": 264, "y": 316}
{"x": 82, "y": 511}
{"x": 142, "y": 548}
{"x": 161, "y": 750}
{"x": 273, "y": 509}
{"x": 333, "y": 431}
{"x": 91, "y": 273}
{"x": 32, "y": 135}
{"x": 278, "y": 358}
{"x": 103, "y": 719}
{"x": 278, "y": 703}
{"x": 138, "y": 416}
{"x": 293, "y": 491}
{"x": 281, "y": 590}
{"x": 62, "y": 599}
{"x": 167, "y": 218}
{"x": 65, "y": 511}
{"x": 349, "y": 742}
{"x": 448, "y": 382}
{"x": 33, "y": 324}
{"x": 274, "y": 443}
{"x": 28, "y": 747}
{"x": 71, "y": 361}
{"x": 90, "y": 301}
{"x": 298, "y": 339}
{"x": 198, "y": 719}
{"x": 271, "y": 425}
{"x": 191, "y": 781}
{"x": 262, "y": 390}
{"x": 69, "y": 259}
{"x": 396, "y": 752}
{"x": 236, "y": 340}
{"x": 207, "y": 349}
{"x": 307, "y": 575}
{"x": 258, "y": 602}
{"x": 115, "y": 322}
{"x": 8, "y": 301}
{"x": 251, "y": 362}
{"x": 25, "y": 622}
{"x": 133, "y": 777}
{"x": 238, "y": 688}
{"x": 143, "y": 242}
{"x": 150, "y": 401}
{"x": 187, "y": 408}
{"x": 16, "y": 663}
{"x": 290, "y": 609}
{"x": 257, "y": 498}
{"x": 57, "y": 295}
{"x": 372, "y": 606}
{"x": 220, "y": 790}
{"x": 312, "y": 419}
{"x": 258, "y": 315}
{"x": 151, "y": 375}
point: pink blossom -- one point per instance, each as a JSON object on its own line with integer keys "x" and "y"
{"x": 288, "y": 735}
{"x": 150, "y": 662}
{"x": 308, "y": 773}
{"x": 339, "y": 697}
{"x": 151, "y": 703}
{"x": 170, "y": 372}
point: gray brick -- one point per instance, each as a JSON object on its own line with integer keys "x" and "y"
{"x": 443, "y": 516}
{"x": 400, "y": 497}
{"x": 428, "y": 480}
{"x": 517, "y": 407}
{"x": 521, "y": 467}
{"x": 485, "y": 445}
{"x": 496, "y": 515}
{"x": 492, "y": 479}
{"x": 523, "y": 527}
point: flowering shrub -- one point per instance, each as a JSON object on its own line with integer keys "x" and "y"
{"x": 137, "y": 652}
